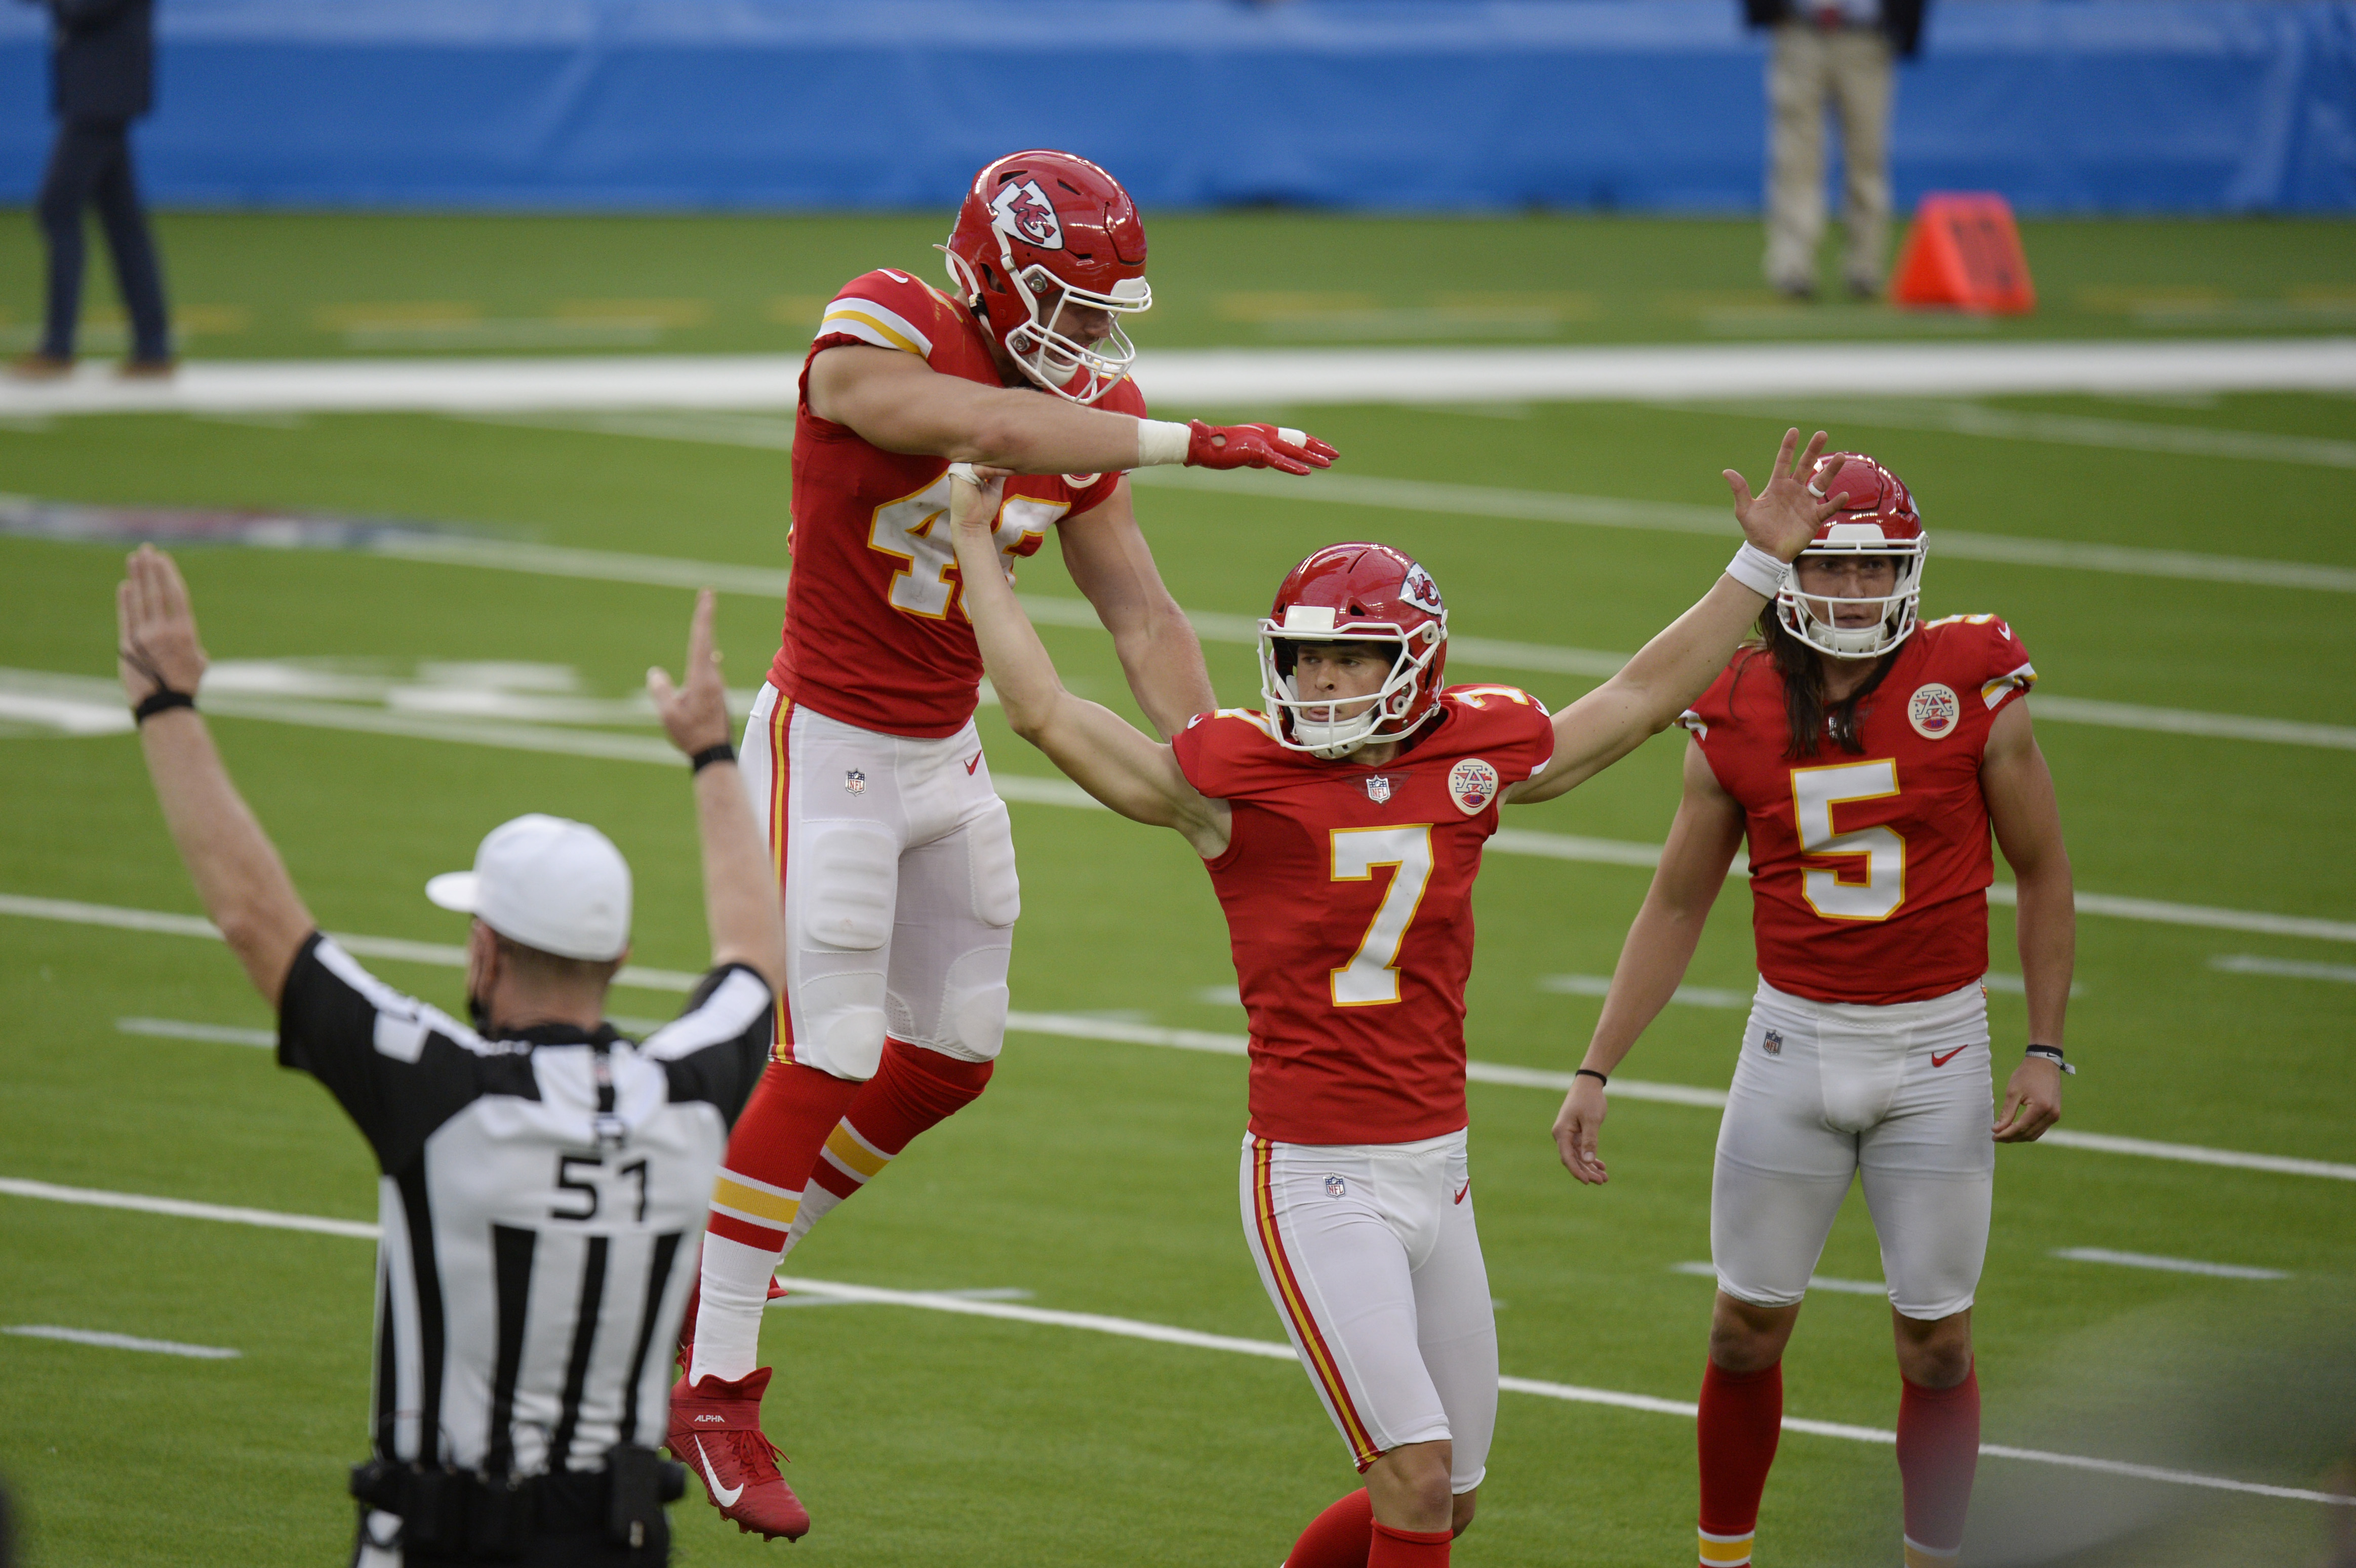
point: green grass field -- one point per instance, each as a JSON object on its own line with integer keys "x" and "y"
{"x": 1100, "y": 1177}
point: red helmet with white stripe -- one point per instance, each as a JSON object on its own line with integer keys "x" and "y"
{"x": 1355, "y": 594}
{"x": 1040, "y": 231}
{"x": 1878, "y": 520}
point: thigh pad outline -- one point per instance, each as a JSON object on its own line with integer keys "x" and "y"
{"x": 849, "y": 876}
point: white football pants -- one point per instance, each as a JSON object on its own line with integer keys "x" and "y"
{"x": 1371, "y": 1256}
{"x": 897, "y": 863}
{"x": 1824, "y": 1092}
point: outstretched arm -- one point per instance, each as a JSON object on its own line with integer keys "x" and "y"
{"x": 897, "y": 402}
{"x": 1100, "y": 751}
{"x": 1652, "y": 960}
{"x": 240, "y": 879}
{"x": 2018, "y": 788}
{"x": 1678, "y": 665}
{"x": 740, "y": 891}
{"x": 1109, "y": 561}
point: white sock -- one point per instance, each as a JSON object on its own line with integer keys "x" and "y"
{"x": 728, "y": 1323}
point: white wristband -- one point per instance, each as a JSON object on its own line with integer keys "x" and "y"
{"x": 1757, "y": 570}
{"x": 1160, "y": 442}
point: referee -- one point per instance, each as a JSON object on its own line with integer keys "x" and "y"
{"x": 544, "y": 1180}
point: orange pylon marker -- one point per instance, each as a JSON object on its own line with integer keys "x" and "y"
{"x": 1964, "y": 254}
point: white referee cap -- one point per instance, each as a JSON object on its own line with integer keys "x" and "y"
{"x": 548, "y": 883}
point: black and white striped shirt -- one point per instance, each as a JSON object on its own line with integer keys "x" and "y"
{"x": 541, "y": 1201}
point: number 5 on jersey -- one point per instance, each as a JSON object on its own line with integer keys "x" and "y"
{"x": 1371, "y": 977}
{"x": 1833, "y": 892}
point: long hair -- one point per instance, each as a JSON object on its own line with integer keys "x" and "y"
{"x": 1804, "y": 708}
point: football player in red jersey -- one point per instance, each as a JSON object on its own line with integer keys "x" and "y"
{"x": 892, "y": 850}
{"x": 1866, "y": 757}
{"x": 1341, "y": 828}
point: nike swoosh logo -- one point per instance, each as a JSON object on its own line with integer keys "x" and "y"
{"x": 972, "y": 763}
{"x": 1939, "y": 1061}
{"x": 1463, "y": 1191}
{"x": 724, "y": 1496}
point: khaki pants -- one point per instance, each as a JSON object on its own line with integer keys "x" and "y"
{"x": 1850, "y": 69}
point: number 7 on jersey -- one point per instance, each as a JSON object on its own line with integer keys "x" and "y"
{"x": 1371, "y": 977}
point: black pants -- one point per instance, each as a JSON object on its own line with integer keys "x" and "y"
{"x": 92, "y": 162}
{"x": 584, "y": 1548}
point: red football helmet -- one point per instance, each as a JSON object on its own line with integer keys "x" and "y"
{"x": 1039, "y": 230}
{"x": 1355, "y": 594}
{"x": 1879, "y": 519}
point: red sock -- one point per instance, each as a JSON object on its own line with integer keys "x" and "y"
{"x": 1408, "y": 1548}
{"x": 913, "y": 1090}
{"x": 1339, "y": 1538}
{"x": 1741, "y": 1418}
{"x": 792, "y": 1110}
{"x": 1938, "y": 1449}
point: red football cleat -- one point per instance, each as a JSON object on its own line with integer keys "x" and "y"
{"x": 715, "y": 1431}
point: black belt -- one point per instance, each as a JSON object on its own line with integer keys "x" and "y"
{"x": 459, "y": 1513}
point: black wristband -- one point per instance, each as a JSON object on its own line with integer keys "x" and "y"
{"x": 2052, "y": 1053}
{"x": 722, "y": 752}
{"x": 160, "y": 699}
{"x": 1590, "y": 1073}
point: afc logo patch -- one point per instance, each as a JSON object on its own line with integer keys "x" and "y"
{"x": 1472, "y": 785}
{"x": 853, "y": 782}
{"x": 1379, "y": 789}
{"x": 1335, "y": 1187}
{"x": 1772, "y": 1042}
{"x": 1933, "y": 711}
{"x": 1024, "y": 211}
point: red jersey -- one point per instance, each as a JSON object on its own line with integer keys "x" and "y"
{"x": 874, "y": 633}
{"x": 1348, "y": 891}
{"x": 1869, "y": 871}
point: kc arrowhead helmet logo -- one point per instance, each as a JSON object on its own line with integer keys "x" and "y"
{"x": 1024, "y": 210}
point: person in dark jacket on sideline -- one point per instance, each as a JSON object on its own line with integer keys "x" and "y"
{"x": 1837, "y": 53}
{"x": 102, "y": 78}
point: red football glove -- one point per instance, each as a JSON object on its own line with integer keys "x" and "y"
{"x": 1255, "y": 446}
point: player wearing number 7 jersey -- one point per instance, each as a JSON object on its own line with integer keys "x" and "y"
{"x": 1865, "y": 758}
{"x": 892, "y": 850}
{"x": 1342, "y": 829}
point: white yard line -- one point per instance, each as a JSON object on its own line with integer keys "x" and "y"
{"x": 123, "y": 1341}
{"x": 2288, "y": 968}
{"x": 981, "y": 1304}
{"x": 1255, "y": 377}
{"x": 1815, "y": 1281}
{"x": 1671, "y": 516}
{"x": 180, "y": 1029}
{"x": 2062, "y": 430}
{"x": 2166, "y": 1266}
{"x": 1070, "y": 1026}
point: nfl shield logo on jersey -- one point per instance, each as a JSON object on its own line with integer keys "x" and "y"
{"x": 1933, "y": 710}
{"x": 1772, "y": 1042}
{"x": 1473, "y": 784}
{"x": 853, "y": 782}
{"x": 1335, "y": 1187}
{"x": 1379, "y": 789}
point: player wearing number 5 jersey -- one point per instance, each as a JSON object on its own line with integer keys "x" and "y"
{"x": 1866, "y": 757}
{"x": 1342, "y": 827}
{"x": 891, "y": 849}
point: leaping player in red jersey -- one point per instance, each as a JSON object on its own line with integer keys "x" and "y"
{"x": 1865, "y": 758}
{"x": 892, "y": 852}
{"x": 1342, "y": 829}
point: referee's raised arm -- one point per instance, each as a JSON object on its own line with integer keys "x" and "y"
{"x": 740, "y": 889}
{"x": 241, "y": 880}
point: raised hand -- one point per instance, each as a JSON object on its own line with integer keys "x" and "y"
{"x": 1784, "y": 516}
{"x": 975, "y": 492}
{"x": 1255, "y": 446}
{"x": 156, "y": 628}
{"x": 694, "y": 715}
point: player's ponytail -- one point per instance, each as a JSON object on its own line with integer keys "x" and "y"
{"x": 1805, "y": 710}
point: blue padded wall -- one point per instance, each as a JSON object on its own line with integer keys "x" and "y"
{"x": 2062, "y": 105}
